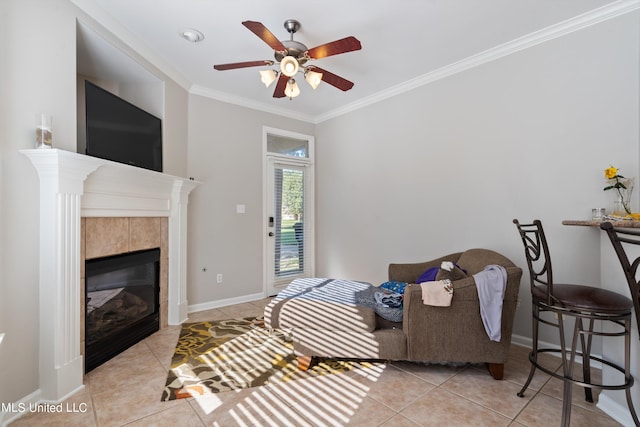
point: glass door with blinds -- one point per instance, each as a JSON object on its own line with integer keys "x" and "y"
{"x": 289, "y": 208}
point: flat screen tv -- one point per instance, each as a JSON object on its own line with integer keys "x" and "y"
{"x": 119, "y": 131}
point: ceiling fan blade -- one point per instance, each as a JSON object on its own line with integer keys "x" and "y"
{"x": 347, "y": 44}
{"x": 333, "y": 79}
{"x": 234, "y": 65}
{"x": 280, "y": 86}
{"x": 267, "y": 36}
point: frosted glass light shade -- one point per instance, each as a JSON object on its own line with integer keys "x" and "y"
{"x": 289, "y": 66}
{"x": 292, "y": 90}
{"x": 313, "y": 78}
{"x": 268, "y": 76}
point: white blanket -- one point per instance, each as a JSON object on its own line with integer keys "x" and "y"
{"x": 491, "y": 284}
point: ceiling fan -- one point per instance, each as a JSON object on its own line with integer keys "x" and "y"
{"x": 293, "y": 57}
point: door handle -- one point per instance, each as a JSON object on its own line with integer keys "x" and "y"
{"x": 271, "y": 234}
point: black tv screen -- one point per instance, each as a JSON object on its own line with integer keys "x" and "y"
{"x": 119, "y": 131}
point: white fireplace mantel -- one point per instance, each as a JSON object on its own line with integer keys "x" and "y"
{"x": 72, "y": 186}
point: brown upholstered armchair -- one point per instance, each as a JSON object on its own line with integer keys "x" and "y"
{"x": 453, "y": 334}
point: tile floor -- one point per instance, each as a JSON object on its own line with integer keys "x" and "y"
{"x": 126, "y": 391}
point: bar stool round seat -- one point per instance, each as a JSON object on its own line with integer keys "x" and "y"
{"x": 585, "y": 305}
{"x": 585, "y": 298}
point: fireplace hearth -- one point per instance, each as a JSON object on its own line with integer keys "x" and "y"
{"x": 122, "y": 303}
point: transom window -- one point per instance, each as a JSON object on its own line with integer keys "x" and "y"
{"x": 287, "y": 146}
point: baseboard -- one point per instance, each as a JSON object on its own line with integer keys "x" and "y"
{"x": 521, "y": 341}
{"x": 34, "y": 403}
{"x": 615, "y": 410}
{"x": 225, "y": 302}
{"x": 10, "y": 412}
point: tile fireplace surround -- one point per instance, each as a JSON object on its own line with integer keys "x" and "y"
{"x": 73, "y": 186}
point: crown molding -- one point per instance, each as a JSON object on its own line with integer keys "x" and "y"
{"x": 552, "y": 32}
{"x": 245, "y": 102}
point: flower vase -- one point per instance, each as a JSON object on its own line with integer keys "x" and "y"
{"x": 622, "y": 204}
{"x": 620, "y": 207}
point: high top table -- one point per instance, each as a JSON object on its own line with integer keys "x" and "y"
{"x": 624, "y": 223}
{"x": 613, "y": 402}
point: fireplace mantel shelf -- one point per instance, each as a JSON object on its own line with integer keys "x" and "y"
{"x": 73, "y": 185}
{"x": 111, "y": 188}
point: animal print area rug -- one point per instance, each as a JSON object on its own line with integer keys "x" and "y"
{"x": 217, "y": 356}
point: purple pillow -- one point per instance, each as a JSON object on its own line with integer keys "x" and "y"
{"x": 429, "y": 275}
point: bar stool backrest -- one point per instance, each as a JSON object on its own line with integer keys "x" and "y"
{"x": 536, "y": 251}
{"x": 618, "y": 236}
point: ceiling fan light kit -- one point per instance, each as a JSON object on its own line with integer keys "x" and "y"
{"x": 292, "y": 90}
{"x": 292, "y": 57}
{"x": 289, "y": 66}
{"x": 268, "y": 77}
{"x": 313, "y": 78}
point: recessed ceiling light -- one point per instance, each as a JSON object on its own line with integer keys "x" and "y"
{"x": 191, "y": 35}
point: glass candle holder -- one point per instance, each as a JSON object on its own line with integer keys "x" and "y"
{"x": 44, "y": 136}
{"x": 597, "y": 214}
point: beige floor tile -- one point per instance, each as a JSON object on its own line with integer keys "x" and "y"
{"x": 340, "y": 399}
{"x": 180, "y": 414}
{"x": 544, "y": 410}
{"x": 249, "y": 407}
{"x": 518, "y": 367}
{"x": 126, "y": 370}
{"x": 395, "y": 388}
{"x": 163, "y": 344}
{"x": 554, "y": 388}
{"x": 128, "y": 387}
{"x": 433, "y": 373}
{"x": 517, "y": 371}
{"x": 120, "y": 406}
{"x": 341, "y": 392}
{"x": 477, "y": 386}
{"x": 370, "y": 412}
{"x": 440, "y": 407}
{"x": 399, "y": 421}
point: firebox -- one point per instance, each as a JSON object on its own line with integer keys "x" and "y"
{"x": 122, "y": 303}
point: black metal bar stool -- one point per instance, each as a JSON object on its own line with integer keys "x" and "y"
{"x": 584, "y": 304}
{"x": 618, "y": 237}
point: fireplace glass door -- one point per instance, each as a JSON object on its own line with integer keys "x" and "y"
{"x": 121, "y": 304}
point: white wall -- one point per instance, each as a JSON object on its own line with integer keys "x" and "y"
{"x": 38, "y": 74}
{"x": 447, "y": 166}
{"x": 225, "y": 153}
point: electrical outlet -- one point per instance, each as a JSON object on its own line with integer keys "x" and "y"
{"x": 219, "y": 278}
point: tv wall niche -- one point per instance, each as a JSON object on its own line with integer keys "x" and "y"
{"x": 120, "y": 131}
